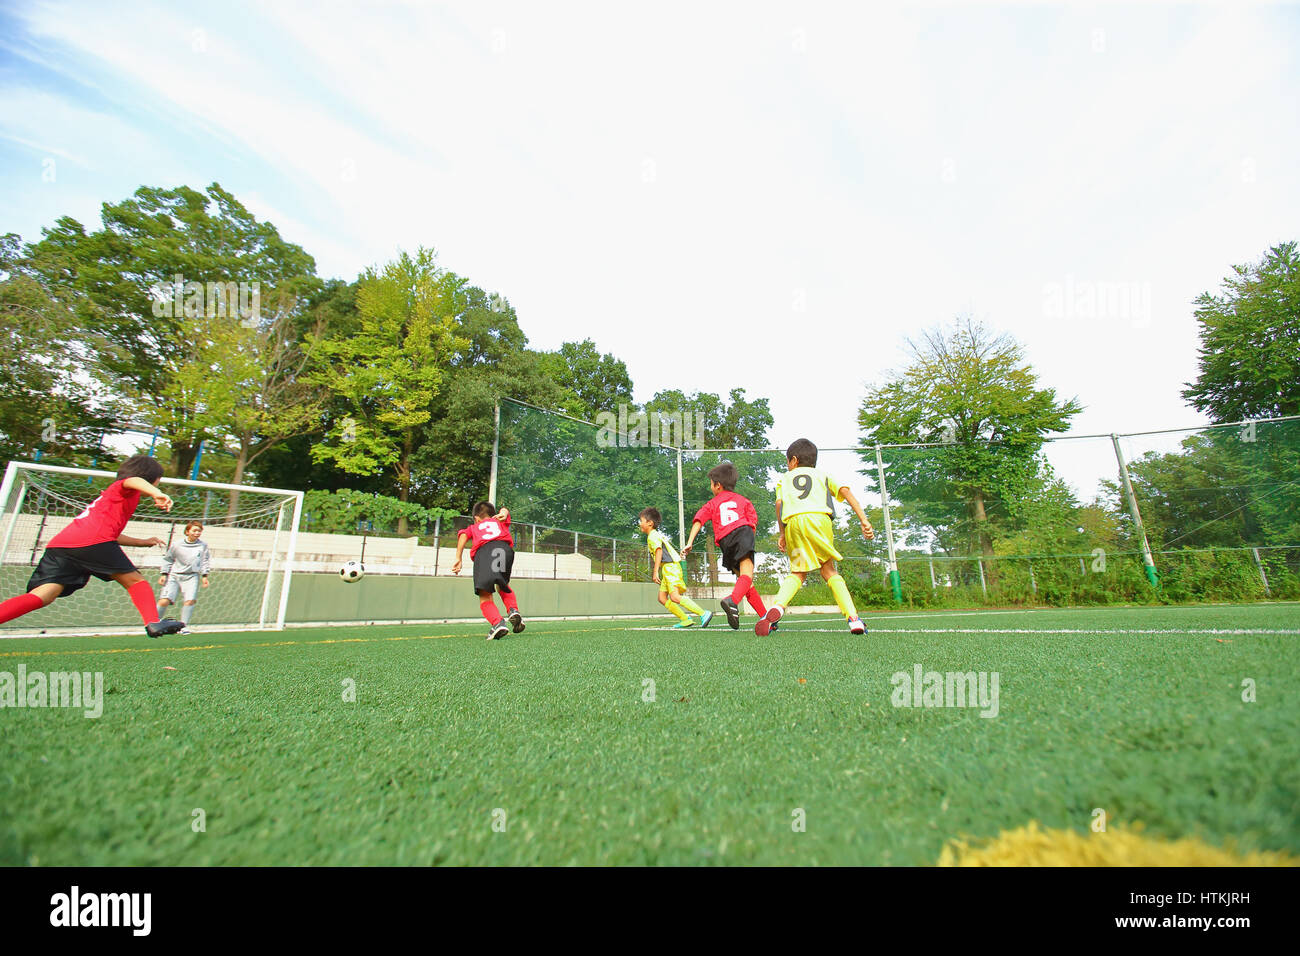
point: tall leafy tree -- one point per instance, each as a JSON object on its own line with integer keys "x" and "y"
{"x": 121, "y": 276}
{"x": 598, "y": 381}
{"x": 53, "y": 401}
{"x": 972, "y": 394}
{"x": 1250, "y": 341}
{"x": 247, "y": 380}
{"x": 390, "y": 369}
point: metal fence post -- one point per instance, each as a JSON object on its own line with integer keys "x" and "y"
{"x": 496, "y": 442}
{"x": 1262, "y": 576}
{"x": 437, "y": 543}
{"x": 983, "y": 586}
{"x": 1147, "y": 560}
{"x": 895, "y": 584}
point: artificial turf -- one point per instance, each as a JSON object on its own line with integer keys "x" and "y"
{"x": 543, "y": 749}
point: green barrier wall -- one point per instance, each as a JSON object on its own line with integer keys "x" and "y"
{"x": 379, "y": 597}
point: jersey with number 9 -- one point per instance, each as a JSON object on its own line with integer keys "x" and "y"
{"x": 807, "y": 490}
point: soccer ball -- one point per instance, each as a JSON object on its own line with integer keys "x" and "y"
{"x": 352, "y": 572}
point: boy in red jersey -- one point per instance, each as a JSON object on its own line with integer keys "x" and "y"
{"x": 734, "y": 521}
{"x": 493, "y": 554}
{"x": 92, "y": 544}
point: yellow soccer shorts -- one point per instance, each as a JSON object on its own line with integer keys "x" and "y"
{"x": 810, "y": 541}
{"x": 670, "y": 577}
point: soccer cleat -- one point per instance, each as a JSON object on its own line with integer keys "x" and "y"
{"x": 768, "y": 621}
{"x": 516, "y": 622}
{"x": 856, "y": 626}
{"x": 705, "y": 618}
{"x": 165, "y": 626}
{"x": 775, "y": 627}
{"x": 498, "y": 631}
{"x": 681, "y": 625}
{"x": 732, "y": 612}
{"x": 185, "y": 630}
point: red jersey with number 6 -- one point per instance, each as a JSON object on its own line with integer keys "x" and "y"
{"x": 489, "y": 529}
{"x": 103, "y": 521}
{"x": 728, "y": 511}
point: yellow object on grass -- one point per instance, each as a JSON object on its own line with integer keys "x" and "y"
{"x": 1119, "y": 845}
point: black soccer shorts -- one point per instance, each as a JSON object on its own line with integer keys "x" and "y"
{"x": 493, "y": 563}
{"x": 736, "y": 547}
{"x": 72, "y": 567}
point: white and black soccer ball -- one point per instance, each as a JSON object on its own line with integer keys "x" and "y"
{"x": 352, "y": 572}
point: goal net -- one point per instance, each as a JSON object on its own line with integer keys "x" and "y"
{"x": 251, "y": 533}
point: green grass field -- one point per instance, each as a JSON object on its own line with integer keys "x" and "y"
{"x": 551, "y": 728}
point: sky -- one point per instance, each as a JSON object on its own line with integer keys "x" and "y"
{"x": 767, "y": 196}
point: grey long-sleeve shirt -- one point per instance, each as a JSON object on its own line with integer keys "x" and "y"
{"x": 186, "y": 558}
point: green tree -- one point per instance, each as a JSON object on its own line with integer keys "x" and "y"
{"x": 53, "y": 402}
{"x": 1250, "y": 341}
{"x": 972, "y": 395}
{"x": 121, "y": 281}
{"x": 598, "y": 382}
{"x": 390, "y": 369}
{"x": 493, "y": 362}
{"x": 247, "y": 381}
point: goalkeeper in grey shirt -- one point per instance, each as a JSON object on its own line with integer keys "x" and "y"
{"x": 182, "y": 567}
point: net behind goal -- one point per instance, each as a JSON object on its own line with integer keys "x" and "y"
{"x": 251, "y": 533}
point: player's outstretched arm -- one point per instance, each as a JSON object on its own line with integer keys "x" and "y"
{"x": 690, "y": 540}
{"x": 131, "y": 542}
{"x": 460, "y": 549}
{"x": 160, "y": 498}
{"x": 847, "y": 496}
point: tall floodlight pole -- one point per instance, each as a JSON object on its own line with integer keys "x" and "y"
{"x": 496, "y": 444}
{"x": 1137, "y": 516}
{"x": 895, "y": 584}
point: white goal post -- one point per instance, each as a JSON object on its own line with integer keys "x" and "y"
{"x": 252, "y": 534}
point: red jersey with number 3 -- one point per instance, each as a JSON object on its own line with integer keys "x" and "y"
{"x": 103, "y": 521}
{"x": 728, "y": 511}
{"x": 489, "y": 529}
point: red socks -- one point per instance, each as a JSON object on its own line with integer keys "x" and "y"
{"x": 144, "y": 601}
{"x": 511, "y": 602}
{"x": 18, "y": 606}
{"x": 745, "y": 590}
{"x": 489, "y": 609}
{"x": 743, "y": 583}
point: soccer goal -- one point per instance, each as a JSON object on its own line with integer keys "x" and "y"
{"x": 251, "y": 532}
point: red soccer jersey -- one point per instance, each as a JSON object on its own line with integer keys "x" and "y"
{"x": 102, "y": 521}
{"x": 728, "y": 511}
{"x": 489, "y": 529}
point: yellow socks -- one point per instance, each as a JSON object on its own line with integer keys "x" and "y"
{"x": 690, "y": 605}
{"x": 677, "y": 609}
{"x": 842, "y": 598}
{"x": 789, "y": 588}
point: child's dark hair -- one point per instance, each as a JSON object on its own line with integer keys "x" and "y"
{"x": 725, "y": 474}
{"x": 803, "y": 451}
{"x": 652, "y": 515}
{"x": 484, "y": 509}
{"x": 141, "y": 466}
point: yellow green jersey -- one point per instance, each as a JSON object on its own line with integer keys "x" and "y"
{"x": 655, "y": 540}
{"x": 807, "y": 491}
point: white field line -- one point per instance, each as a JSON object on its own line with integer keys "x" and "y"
{"x": 1121, "y": 632}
